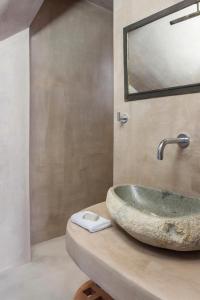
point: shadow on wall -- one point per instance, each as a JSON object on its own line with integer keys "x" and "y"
{"x": 48, "y": 17}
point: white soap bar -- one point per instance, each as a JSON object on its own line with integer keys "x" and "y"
{"x": 90, "y": 221}
{"x": 90, "y": 216}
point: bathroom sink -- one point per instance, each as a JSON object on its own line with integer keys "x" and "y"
{"x": 156, "y": 217}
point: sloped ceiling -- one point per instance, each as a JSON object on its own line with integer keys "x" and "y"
{"x": 16, "y": 15}
{"x": 104, "y": 3}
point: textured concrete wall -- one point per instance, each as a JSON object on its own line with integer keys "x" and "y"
{"x": 71, "y": 112}
{"x": 14, "y": 151}
{"x": 152, "y": 120}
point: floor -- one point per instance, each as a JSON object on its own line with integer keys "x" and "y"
{"x": 51, "y": 275}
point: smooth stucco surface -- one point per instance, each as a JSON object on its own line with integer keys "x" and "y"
{"x": 152, "y": 120}
{"x": 16, "y": 16}
{"x": 71, "y": 136}
{"x": 108, "y": 4}
{"x": 14, "y": 151}
{"x": 51, "y": 275}
{"x": 127, "y": 269}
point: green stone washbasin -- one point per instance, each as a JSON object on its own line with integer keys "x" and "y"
{"x": 155, "y": 217}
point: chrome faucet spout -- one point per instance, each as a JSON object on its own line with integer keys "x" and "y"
{"x": 182, "y": 140}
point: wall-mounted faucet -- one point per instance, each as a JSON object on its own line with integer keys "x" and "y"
{"x": 182, "y": 140}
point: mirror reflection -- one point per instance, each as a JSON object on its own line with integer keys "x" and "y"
{"x": 165, "y": 53}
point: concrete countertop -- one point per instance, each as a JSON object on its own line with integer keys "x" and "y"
{"x": 130, "y": 270}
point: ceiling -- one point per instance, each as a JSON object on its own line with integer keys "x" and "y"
{"x": 16, "y": 15}
{"x": 108, "y": 4}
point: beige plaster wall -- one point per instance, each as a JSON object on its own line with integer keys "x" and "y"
{"x": 14, "y": 151}
{"x": 71, "y": 133}
{"x": 151, "y": 120}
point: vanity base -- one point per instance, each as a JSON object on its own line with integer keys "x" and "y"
{"x": 127, "y": 269}
{"x": 91, "y": 291}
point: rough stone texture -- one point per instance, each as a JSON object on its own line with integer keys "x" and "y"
{"x": 179, "y": 232}
{"x": 127, "y": 269}
{"x": 71, "y": 134}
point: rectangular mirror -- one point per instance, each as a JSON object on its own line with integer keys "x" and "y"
{"x": 162, "y": 53}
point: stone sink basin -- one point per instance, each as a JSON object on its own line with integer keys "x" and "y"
{"x": 155, "y": 217}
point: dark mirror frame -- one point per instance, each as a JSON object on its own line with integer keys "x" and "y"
{"x": 178, "y": 90}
